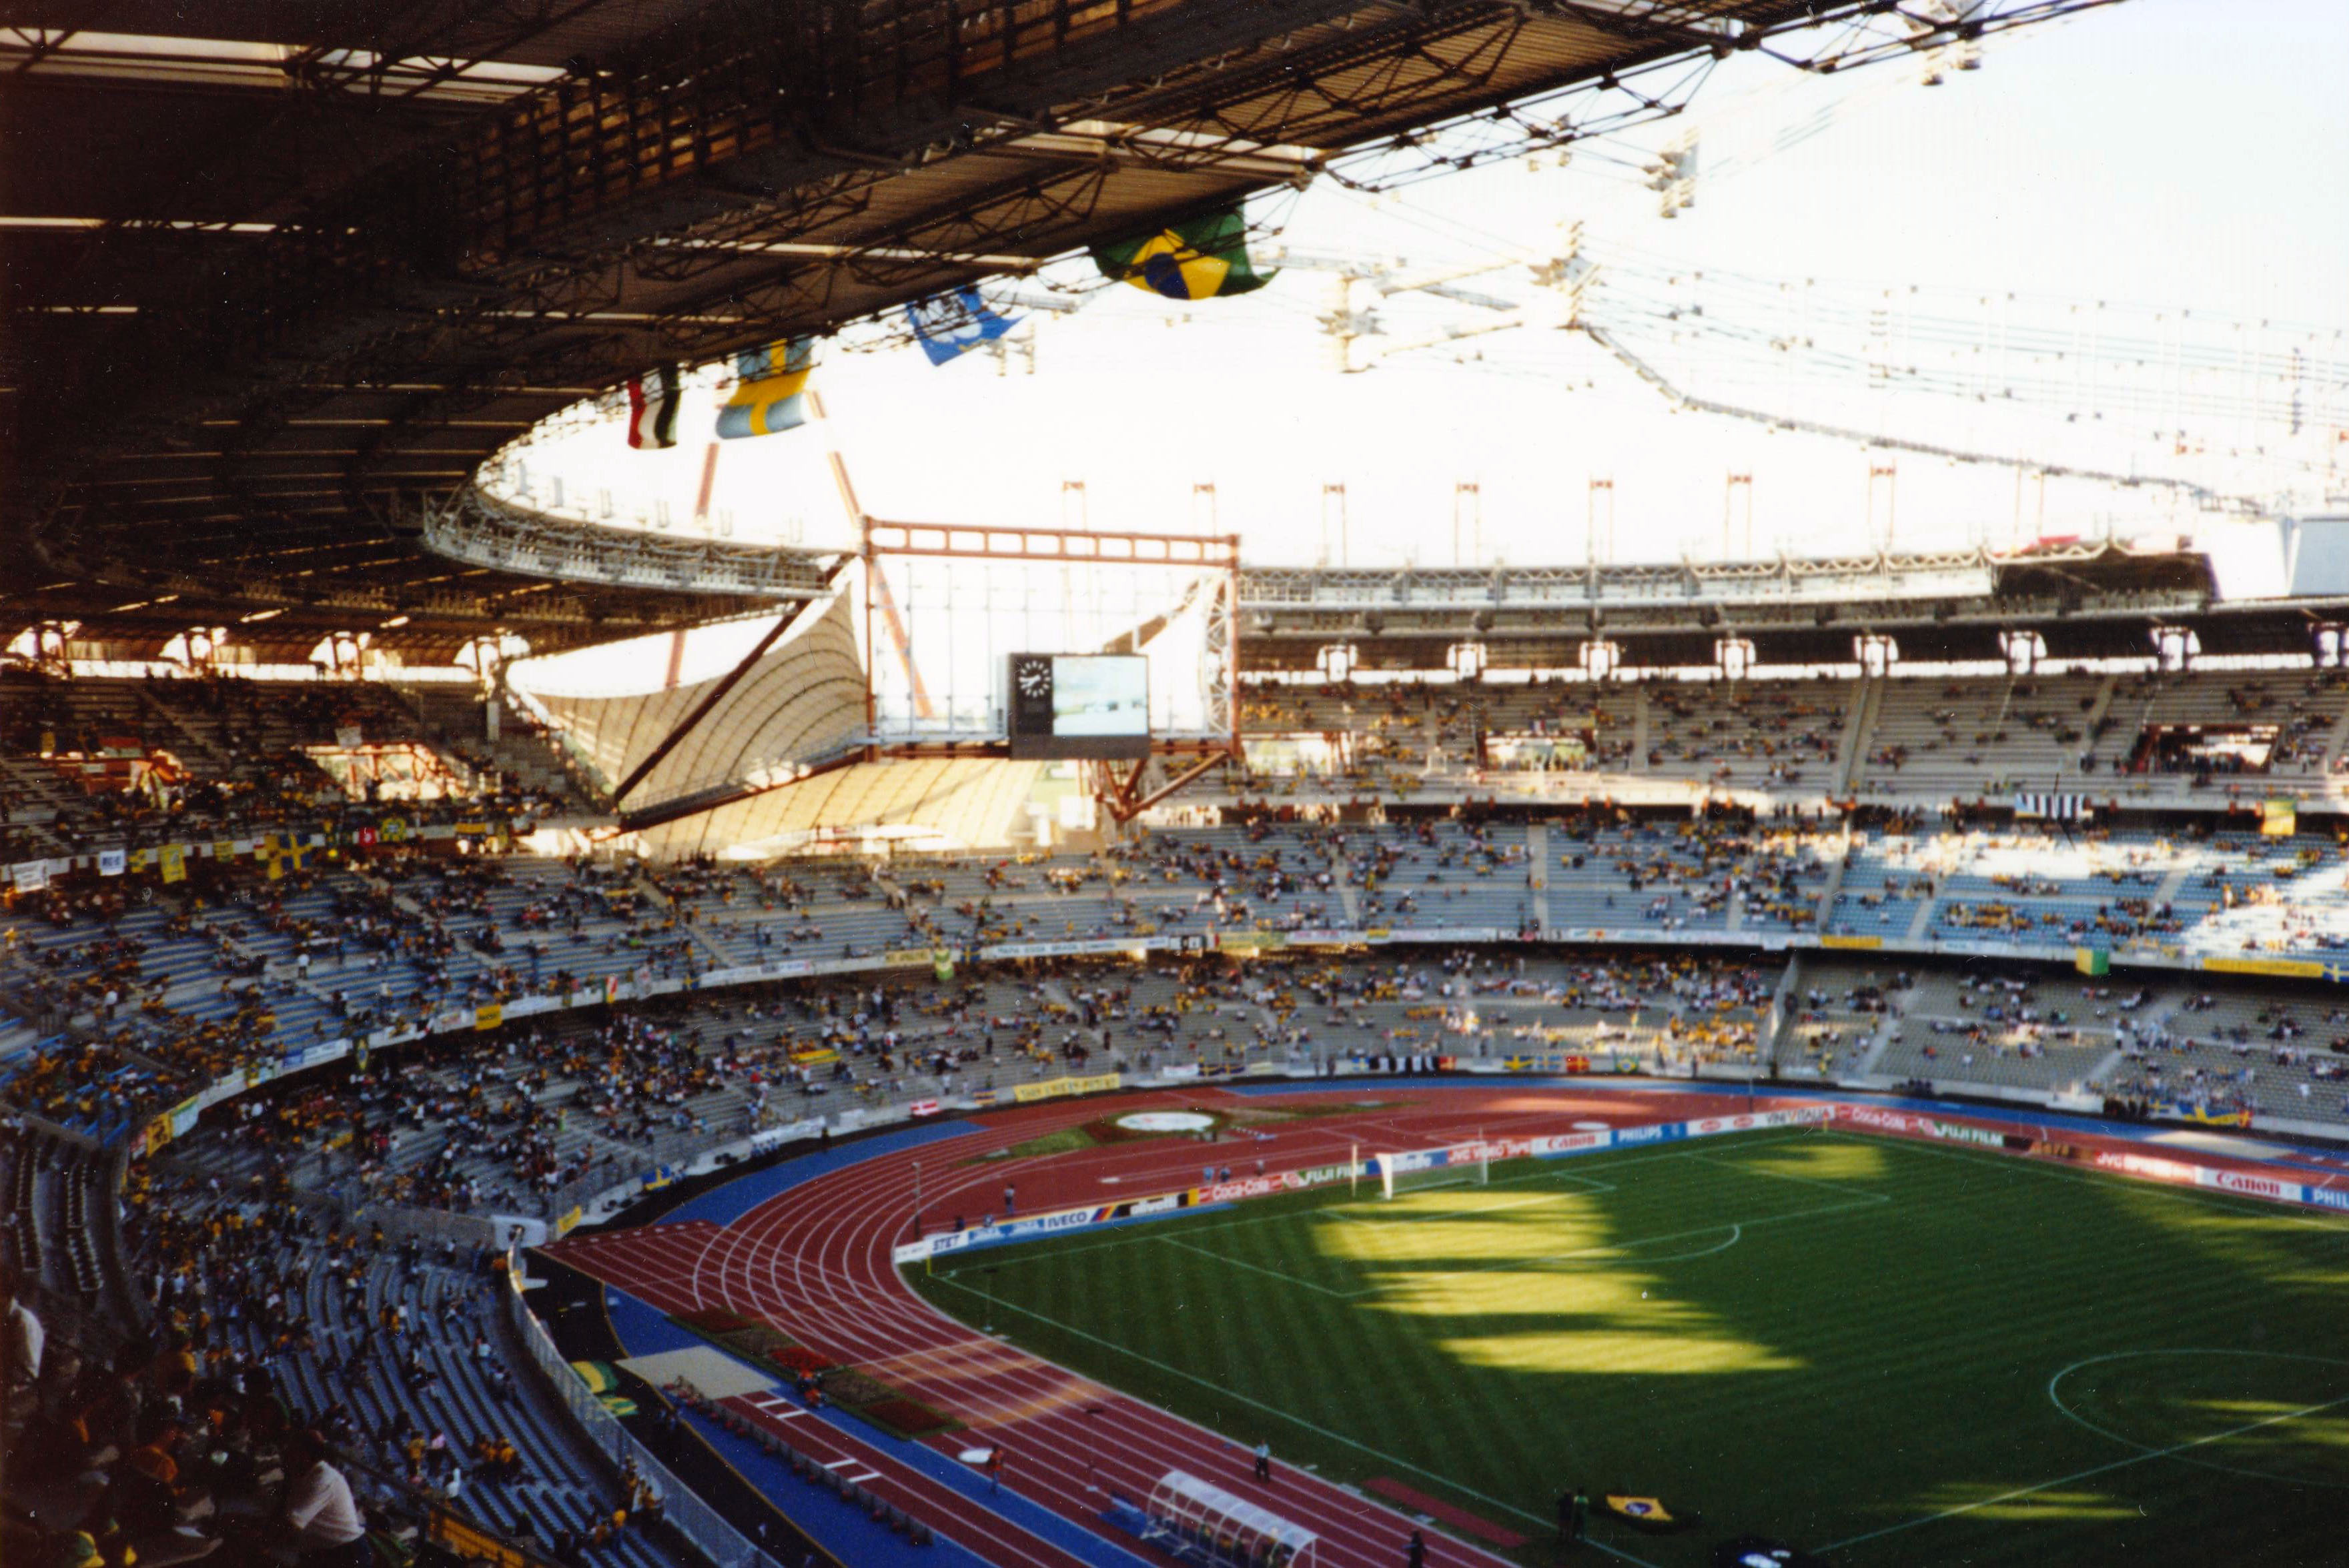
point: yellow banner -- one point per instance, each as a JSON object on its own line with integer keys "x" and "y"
{"x": 1246, "y": 941}
{"x": 175, "y": 862}
{"x": 391, "y": 830}
{"x": 472, "y": 826}
{"x": 140, "y": 859}
{"x": 1055, "y": 1088}
{"x": 472, "y": 1544}
{"x": 568, "y": 1220}
{"x": 490, "y": 1016}
{"x": 2279, "y": 819}
{"x": 2293, "y": 968}
{"x": 224, "y": 849}
{"x": 1857, "y": 943}
{"x": 906, "y": 958}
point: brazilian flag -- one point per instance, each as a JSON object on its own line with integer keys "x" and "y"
{"x": 1650, "y": 1512}
{"x": 605, "y": 1384}
{"x": 1205, "y": 258}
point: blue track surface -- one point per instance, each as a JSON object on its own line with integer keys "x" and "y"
{"x": 725, "y": 1204}
{"x": 840, "y": 1527}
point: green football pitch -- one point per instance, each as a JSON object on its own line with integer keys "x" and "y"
{"x": 1885, "y": 1352}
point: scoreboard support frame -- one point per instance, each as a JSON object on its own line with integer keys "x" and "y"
{"x": 1213, "y": 559}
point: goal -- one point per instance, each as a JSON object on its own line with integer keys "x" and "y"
{"x": 1477, "y": 1173}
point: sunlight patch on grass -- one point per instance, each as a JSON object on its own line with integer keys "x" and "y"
{"x": 1678, "y": 1342}
{"x": 1562, "y": 1228}
{"x": 1612, "y": 1322}
{"x": 1813, "y": 1160}
{"x": 1488, "y": 1293}
{"x": 2327, "y": 1427}
{"x": 2057, "y": 1504}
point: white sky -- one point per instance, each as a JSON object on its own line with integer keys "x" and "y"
{"x": 2158, "y": 156}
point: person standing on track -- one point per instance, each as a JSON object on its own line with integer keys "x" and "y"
{"x": 1415, "y": 1554}
{"x": 995, "y": 1468}
{"x": 1010, "y": 1199}
{"x": 1264, "y": 1462}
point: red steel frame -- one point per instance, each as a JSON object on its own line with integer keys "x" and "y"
{"x": 882, "y": 538}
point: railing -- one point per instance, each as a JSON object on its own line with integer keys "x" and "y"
{"x": 483, "y": 530}
{"x": 703, "y": 1526}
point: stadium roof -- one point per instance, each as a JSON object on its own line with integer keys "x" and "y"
{"x": 2088, "y": 598}
{"x": 281, "y": 272}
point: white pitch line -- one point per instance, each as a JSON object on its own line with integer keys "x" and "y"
{"x": 2242, "y": 1208}
{"x": 1279, "y": 1414}
{"x": 1785, "y": 1176}
{"x": 1255, "y": 1268}
{"x": 2083, "y": 1475}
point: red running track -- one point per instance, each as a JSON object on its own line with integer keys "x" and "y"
{"x": 816, "y": 1260}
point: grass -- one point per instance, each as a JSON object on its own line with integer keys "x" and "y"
{"x": 1885, "y": 1352}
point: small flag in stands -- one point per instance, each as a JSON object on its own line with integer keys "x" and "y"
{"x": 949, "y": 325}
{"x": 1205, "y": 258}
{"x": 2092, "y": 960}
{"x": 652, "y": 407}
{"x": 769, "y": 383}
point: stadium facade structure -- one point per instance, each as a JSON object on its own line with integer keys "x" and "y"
{"x": 2268, "y": 592}
{"x": 271, "y": 302}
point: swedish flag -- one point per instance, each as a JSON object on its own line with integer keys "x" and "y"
{"x": 769, "y": 388}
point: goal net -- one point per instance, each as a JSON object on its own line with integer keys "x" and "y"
{"x": 1456, "y": 1172}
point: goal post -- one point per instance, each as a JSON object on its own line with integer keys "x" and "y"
{"x": 1437, "y": 1167}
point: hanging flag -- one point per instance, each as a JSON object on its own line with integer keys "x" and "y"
{"x": 950, "y": 326}
{"x": 1205, "y": 258}
{"x": 652, "y": 407}
{"x": 175, "y": 862}
{"x": 768, "y": 384}
{"x": 2279, "y": 819}
{"x": 2092, "y": 960}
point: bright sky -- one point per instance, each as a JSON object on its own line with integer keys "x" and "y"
{"x": 2161, "y": 157}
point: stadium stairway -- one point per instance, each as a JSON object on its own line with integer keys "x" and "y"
{"x": 2334, "y": 744}
{"x": 2101, "y": 705}
{"x": 1859, "y": 725}
{"x": 1922, "y": 921}
{"x": 200, "y": 752}
{"x": 1537, "y": 855}
{"x": 561, "y": 1486}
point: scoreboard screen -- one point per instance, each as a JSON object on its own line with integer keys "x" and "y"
{"x": 1086, "y": 706}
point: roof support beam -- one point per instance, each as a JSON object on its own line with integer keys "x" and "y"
{"x": 710, "y": 801}
{"x": 701, "y": 709}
